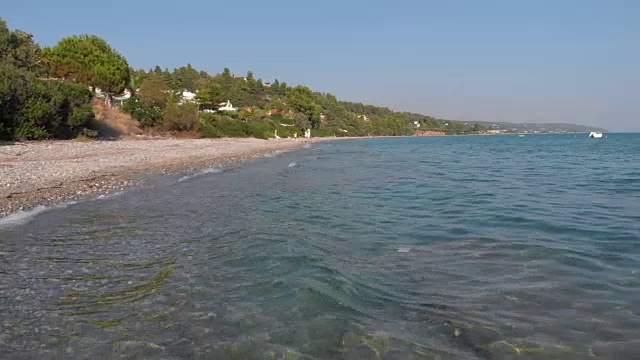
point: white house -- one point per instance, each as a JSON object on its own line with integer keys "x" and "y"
{"x": 187, "y": 97}
{"x": 226, "y": 106}
{"x": 125, "y": 95}
{"x": 417, "y": 124}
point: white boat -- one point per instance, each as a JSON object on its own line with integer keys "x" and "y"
{"x": 595, "y": 135}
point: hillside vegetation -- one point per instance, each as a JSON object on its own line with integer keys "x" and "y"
{"x": 32, "y": 107}
{"x": 48, "y": 93}
{"x": 262, "y": 108}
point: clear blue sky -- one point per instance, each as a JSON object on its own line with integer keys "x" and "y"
{"x": 509, "y": 60}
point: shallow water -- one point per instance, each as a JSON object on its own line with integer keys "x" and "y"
{"x": 494, "y": 247}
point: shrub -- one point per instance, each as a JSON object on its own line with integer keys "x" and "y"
{"x": 180, "y": 117}
{"x": 217, "y": 126}
{"x": 262, "y": 129}
{"x": 210, "y": 131}
{"x": 35, "y": 109}
{"x": 26, "y": 131}
{"x": 148, "y": 116}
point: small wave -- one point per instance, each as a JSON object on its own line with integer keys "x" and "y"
{"x": 23, "y": 217}
{"x": 292, "y": 164}
{"x": 109, "y": 196}
{"x": 201, "y": 173}
{"x": 275, "y": 153}
{"x": 306, "y": 146}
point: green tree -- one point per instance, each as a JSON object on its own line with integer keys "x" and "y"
{"x": 302, "y": 100}
{"x": 225, "y": 80}
{"x": 185, "y": 78}
{"x": 302, "y": 122}
{"x": 18, "y": 49}
{"x": 149, "y": 104}
{"x": 250, "y": 77}
{"x": 136, "y": 78}
{"x": 211, "y": 96}
{"x": 180, "y": 117}
{"x": 154, "y": 91}
{"x": 31, "y": 108}
{"x": 88, "y": 59}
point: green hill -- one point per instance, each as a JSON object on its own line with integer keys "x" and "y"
{"x": 48, "y": 97}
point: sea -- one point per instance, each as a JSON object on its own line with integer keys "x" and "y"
{"x": 457, "y": 247}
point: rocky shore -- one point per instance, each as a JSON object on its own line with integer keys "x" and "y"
{"x": 51, "y": 172}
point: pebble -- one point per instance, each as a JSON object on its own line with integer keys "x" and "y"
{"x": 48, "y": 172}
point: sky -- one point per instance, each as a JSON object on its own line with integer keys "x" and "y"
{"x": 571, "y": 61}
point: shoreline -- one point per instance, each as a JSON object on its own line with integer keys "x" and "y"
{"x": 53, "y": 172}
{"x": 50, "y": 173}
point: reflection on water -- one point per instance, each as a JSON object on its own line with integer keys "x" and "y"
{"x": 449, "y": 248}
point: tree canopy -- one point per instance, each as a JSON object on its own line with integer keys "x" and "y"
{"x": 18, "y": 49}
{"x": 88, "y": 59}
{"x": 32, "y": 108}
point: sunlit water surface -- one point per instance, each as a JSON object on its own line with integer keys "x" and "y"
{"x": 496, "y": 247}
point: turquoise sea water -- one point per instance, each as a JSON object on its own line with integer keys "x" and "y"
{"x": 477, "y": 247}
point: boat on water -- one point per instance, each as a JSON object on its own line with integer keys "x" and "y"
{"x": 595, "y": 135}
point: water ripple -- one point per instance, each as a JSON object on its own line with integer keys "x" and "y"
{"x": 423, "y": 248}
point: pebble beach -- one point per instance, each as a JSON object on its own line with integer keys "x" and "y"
{"x": 51, "y": 172}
